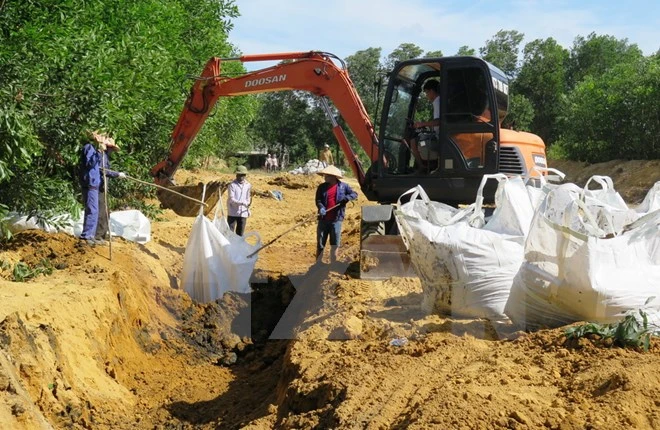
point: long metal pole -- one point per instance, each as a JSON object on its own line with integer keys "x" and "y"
{"x": 159, "y": 186}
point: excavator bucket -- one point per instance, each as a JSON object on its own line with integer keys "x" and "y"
{"x": 186, "y": 207}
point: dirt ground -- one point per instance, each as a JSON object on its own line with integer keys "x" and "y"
{"x": 116, "y": 344}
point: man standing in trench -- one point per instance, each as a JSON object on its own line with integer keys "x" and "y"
{"x": 331, "y": 193}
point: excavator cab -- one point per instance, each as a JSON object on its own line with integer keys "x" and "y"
{"x": 467, "y": 139}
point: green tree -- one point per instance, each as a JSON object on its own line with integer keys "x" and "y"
{"x": 433, "y": 54}
{"x": 404, "y": 51}
{"x": 109, "y": 64}
{"x": 595, "y": 55}
{"x": 466, "y": 50}
{"x": 542, "y": 80}
{"x": 502, "y": 50}
{"x": 366, "y": 73}
{"x": 614, "y": 115}
{"x": 284, "y": 121}
{"x": 521, "y": 113}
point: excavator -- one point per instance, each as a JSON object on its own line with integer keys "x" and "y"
{"x": 468, "y": 143}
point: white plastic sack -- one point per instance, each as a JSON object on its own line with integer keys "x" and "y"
{"x": 607, "y": 206}
{"x": 466, "y": 268}
{"x": 538, "y": 186}
{"x": 216, "y": 260}
{"x": 131, "y": 225}
{"x": 651, "y": 202}
{"x": 575, "y": 271}
{"x": 237, "y": 251}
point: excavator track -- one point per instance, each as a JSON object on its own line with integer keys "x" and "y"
{"x": 188, "y": 208}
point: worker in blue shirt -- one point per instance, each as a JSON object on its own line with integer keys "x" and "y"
{"x": 331, "y": 198}
{"x": 94, "y": 157}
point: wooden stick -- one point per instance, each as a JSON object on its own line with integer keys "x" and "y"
{"x": 105, "y": 197}
{"x": 160, "y": 186}
{"x": 303, "y": 222}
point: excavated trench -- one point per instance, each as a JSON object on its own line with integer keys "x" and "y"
{"x": 234, "y": 332}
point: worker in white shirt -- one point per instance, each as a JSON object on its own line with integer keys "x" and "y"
{"x": 239, "y": 198}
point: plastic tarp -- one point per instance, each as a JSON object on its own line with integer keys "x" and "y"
{"x": 467, "y": 265}
{"x": 582, "y": 264}
{"x": 216, "y": 259}
{"x": 64, "y": 223}
{"x": 131, "y": 225}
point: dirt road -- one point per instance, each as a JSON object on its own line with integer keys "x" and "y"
{"x": 116, "y": 344}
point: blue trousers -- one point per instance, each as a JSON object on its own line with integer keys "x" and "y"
{"x": 91, "y": 202}
{"x": 325, "y": 229}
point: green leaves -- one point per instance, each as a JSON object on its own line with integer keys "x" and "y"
{"x": 629, "y": 332}
{"x": 112, "y": 65}
{"x": 22, "y": 272}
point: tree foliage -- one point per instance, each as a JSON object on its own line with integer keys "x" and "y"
{"x": 466, "y": 50}
{"x": 117, "y": 66}
{"x": 542, "y": 80}
{"x": 502, "y": 50}
{"x": 614, "y": 115}
{"x": 404, "y": 51}
{"x": 367, "y": 72}
{"x": 596, "y": 54}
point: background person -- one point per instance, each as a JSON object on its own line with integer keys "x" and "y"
{"x": 325, "y": 157}
{"x": 239, "y": 199}
{"x": 273, "y": 163}
{"x": 330, "y": 193}
{"x": 269, "y": 163}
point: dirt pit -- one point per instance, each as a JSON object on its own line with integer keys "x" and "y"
{"x": 114, "y": 344}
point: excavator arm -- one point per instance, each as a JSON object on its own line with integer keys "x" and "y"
{"x": 312, "y": 71}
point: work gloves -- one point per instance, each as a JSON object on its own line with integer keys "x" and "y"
{"x": 322, "y": 211}
{"x": 121, "y": 175}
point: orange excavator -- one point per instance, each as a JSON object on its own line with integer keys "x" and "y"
{"x": 468, "y": 143}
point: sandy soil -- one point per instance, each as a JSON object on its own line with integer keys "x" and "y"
{"x": 114, "y": 344}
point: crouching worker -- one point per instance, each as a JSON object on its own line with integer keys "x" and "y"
{"x": 329, "y": 194}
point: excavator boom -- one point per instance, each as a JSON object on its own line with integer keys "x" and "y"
{"x": 313, "y": 71}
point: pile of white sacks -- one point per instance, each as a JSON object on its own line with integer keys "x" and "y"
{"x": 550, "y": 255}
{"x": 310, "y": 168}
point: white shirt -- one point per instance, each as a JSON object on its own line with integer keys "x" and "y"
{"x": 238, "y": 198}
{"x": 436, "y": 113}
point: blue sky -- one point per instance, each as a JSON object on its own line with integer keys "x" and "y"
{"x": 343, "y": 27}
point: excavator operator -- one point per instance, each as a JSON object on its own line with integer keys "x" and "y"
{"x": 423, "y": 150}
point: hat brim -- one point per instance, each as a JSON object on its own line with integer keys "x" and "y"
{"x": 330, "y": 170}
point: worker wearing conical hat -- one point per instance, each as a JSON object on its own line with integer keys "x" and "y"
{"x": 93, "y": 159}
{"x": 332, "y": 192}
